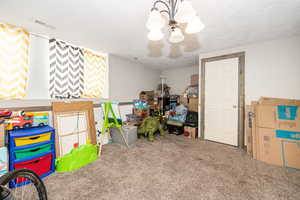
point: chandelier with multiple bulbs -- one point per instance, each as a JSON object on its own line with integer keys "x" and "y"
{"x": 178, "y": 12}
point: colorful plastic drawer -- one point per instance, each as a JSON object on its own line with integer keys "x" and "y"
{"x": 25, "y": 153}
{"x": 41, "y": 165}
{"x": 32, "y": 139}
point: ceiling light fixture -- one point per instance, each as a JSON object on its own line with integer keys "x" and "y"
{"x": 179, "y": 12}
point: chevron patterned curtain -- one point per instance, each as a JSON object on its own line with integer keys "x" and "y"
{"x": 66, "y": 70}
{"x": 95, "y": 73}
{"x": 14, "y": 48}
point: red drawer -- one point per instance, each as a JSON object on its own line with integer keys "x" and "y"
{"x": 40, "y": 165}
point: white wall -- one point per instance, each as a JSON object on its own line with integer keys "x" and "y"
{"x": 272, "y": 68}
{"x": 179, "y": 78}
{"x": 127, "y": 79}
{"x": 38, "y": 82}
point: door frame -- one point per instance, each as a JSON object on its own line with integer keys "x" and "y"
{"x": 241, "y": 94}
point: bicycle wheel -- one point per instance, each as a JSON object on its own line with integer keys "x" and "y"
{"x": 25, "y": 185}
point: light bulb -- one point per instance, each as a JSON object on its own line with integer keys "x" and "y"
{"x": 155, "y": 35}
{"x": 176, "y": 36}
{"x": 155, "y": 20}
{"x": 185, "y": 12}
{"x": 194, "y": 26}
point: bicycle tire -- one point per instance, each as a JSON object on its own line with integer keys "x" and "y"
{"x": 28, "y": 174}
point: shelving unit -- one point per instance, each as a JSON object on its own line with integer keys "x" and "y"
{"x": 32, "y": 148}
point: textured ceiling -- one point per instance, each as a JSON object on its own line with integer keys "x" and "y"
{"x": 118, "y": 27}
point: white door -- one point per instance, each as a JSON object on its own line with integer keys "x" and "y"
{"x": 221, "y": 101}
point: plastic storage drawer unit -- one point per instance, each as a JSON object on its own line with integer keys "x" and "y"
{"x": 41, "y": 165}
{"x": 32, "y": 139}
{"x": 32, "y": 148}
{"x": 25, "y": 153}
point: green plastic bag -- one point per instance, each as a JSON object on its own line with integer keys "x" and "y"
{"x": 77, "y": 158}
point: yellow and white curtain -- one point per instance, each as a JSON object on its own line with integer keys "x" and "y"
{"x": 95, "y": 75}
{"x": 14, "y": 48}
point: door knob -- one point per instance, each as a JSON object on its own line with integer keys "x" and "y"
{"x": 234, "y": 106}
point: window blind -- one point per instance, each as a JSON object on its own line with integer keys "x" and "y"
{"x": 95, "y": 75}
{"x": 14, "y": 48}
{"x": 66, "y": 70}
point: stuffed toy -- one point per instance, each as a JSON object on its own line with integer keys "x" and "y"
{"x": 148, "y": 128}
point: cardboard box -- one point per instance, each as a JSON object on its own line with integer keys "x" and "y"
{"x": 276, "y": 131}
{"x": 288, "y": 117}
{"x": 291, "y": 154}
{"x": 2, "y": 135}
{"x": 141, "y": 113}
{"x": 269, "y": 148}
{"x": 195, "y": 79}
{"x": 279, "y": 147}
{"x": 254, "y": 105}
{"x": 149, "y": 96}
{"x": 285, "y": 116}
{"x": 191, "y": 132}
{"x": 186, "y": 131}
{"x": 193, "y": 104}
{"x": 248, "y": 127}
{"x": 290, "y": 148}
{"x": 183, "y": 100}
{"x": 266, "y": 116}
{"x": 278, "y": 101}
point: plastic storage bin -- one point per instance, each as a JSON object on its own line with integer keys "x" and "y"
{"x": 25, "y": 153}
{"x": 130, "y": 134}
{"x": 32, "y": 139}
{"x": 41, "y": 165}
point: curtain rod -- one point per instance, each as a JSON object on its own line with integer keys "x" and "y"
{"x": 48, "y": 38}
{"x": 40, "y": 35}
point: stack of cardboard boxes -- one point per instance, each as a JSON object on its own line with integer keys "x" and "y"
{"x": 192, "y": 103}
{"x": 148, "y": 96}
{"x": 275, "y": 134}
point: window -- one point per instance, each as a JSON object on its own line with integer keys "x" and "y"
{"x": 75, "y": 72}
{"x": 95, "y": 75}
{"x": 14, "y": 47}
{"x": 66, "y": 70}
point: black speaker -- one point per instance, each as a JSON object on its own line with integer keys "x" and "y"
{"x": 177, "y": 130}
{"x": 191, "y": 119}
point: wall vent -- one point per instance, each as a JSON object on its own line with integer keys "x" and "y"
{"x": 44, "y": 24}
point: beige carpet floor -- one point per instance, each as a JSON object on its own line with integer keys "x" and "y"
{"x": 175, "y": 168}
